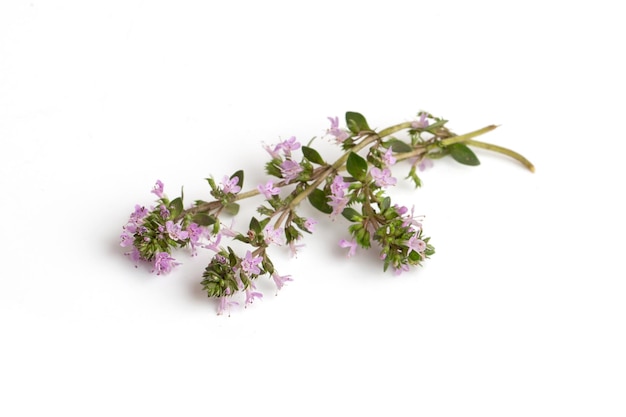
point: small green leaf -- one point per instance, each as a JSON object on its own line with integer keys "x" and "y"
{"x": 176, "y": 207}
{"x": 272, "y": 169}
{"x": 255, "y": 225}
{"x": 413, "y": 176}
{"x": 318, "y": 199}
{"x": 351, "y": 214}
{"x": 386, "y": 203}
{"x": 238, "y": 174}
{"x": 203, "y": 219}
{"x": 356, "y": 122}
{"x": 232, "y": 209}
{"x": 463, "y": 154}
{"x": 398, "y": 145}
{"x": 356, "y": 166}
{"x": 312, "y": 155}
{"x": 211, "y": 182}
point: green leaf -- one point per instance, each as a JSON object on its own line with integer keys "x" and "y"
{"x": 211, "y": 182}
{"x": 356, "y": 166}
{"x": 318, "y": 199}
{"x": 238, "y": 174}
{"x": 203, "y": 219}
{"x": 351, "y": 214}
{"x": 272, "y": 169}
{"x": 176, "y": 207}
{"x": 386, "y": 203}
{"x": 312, "y": 155}
{"x": 398, "y": 145}
{"x": 413, "y": 176}
{"x": 356, "y": 122}
{"x": 232, "y": 209}
{"x": 255, "y": 225}
{"x": 463, "y": 154}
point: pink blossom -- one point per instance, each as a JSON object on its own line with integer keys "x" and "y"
{"x": 175, "y": 231}
{"x": 163, "y": 263}
{"x": 273, "y": 152}
{"x": 425, "y": 163}
{"x": 418, "y": 245}
{"x": 250, "y": 263}
{"x": 126, "y": 240}
{"x": 225, "y": 302}
{"x": 294, "y": 247}
{"x": 289, "y": 145}
{"x": 272, "y": 235}
{"x": 280, "y": 280}
{"x": 268, "y": 190}
{"x": 251, "y": 294}
{"x": 229, "y": 185}
{"x": 334, "y": 130}
{"x": 214, "y": 245}
{"x": 135, "y": 255}
{"x": 388, "y": 157}
{"x": 309, "y": 224}
{"x": 383, "y": 178}
{"x": 422, "y": 123}
{"x": 338, "y": 199}
{"x": 195, "y": 232}
{"x": 290, "y": 170}
{"x": 403, "y": 268}
{"x": 348, "y": 244}
{"x": 158, "y": 189}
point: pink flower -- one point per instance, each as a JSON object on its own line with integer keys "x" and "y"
{"x": 229, "y": 185}
{"x": 268, "y": 190}
{"x": 225, "y": 302}
{"x": 289, "y": 145}
{"x": 272, "y": 235}
{"x": 126, "y": 240}
{"x": 280, "y": 280}
{"x": 250, "y": 263}
{"x": 158, "y": 189}
{"x": 403, "y": 268}
{"x": 309, "y": 224}
{"x": 339, "y": 134}
{"x": 214, "y": 245}
{"x": 348, "y": 244}
{"x": 290, "y": 170}
{"x": 273, "y": 152}
{"x": 338, "y": 200}
{"x": 251, "y": 294}
{"x": 175, "y": 231}
{"x": 425, "y": 163}
{"x": 418, "y": 245}
{"x": 195, "y": 232}
{"x": 388, "y": 158}
{"x": 135, "y": 255}
{"x": 383, "y": 178}
{"x": 422, "y": 123}
{"x": 163, "y": 263}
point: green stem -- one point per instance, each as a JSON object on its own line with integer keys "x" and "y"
{"x": 504, "y": 151}
{"x": 462, "y": 138}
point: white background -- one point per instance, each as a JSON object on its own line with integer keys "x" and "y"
{"x": 521, "y": 311}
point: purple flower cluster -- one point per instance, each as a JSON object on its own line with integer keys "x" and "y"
{"x": 152, "y": 234}
{"x": 338, "y": 198}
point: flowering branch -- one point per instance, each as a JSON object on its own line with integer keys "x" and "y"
{"x": 355, "y": 186}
